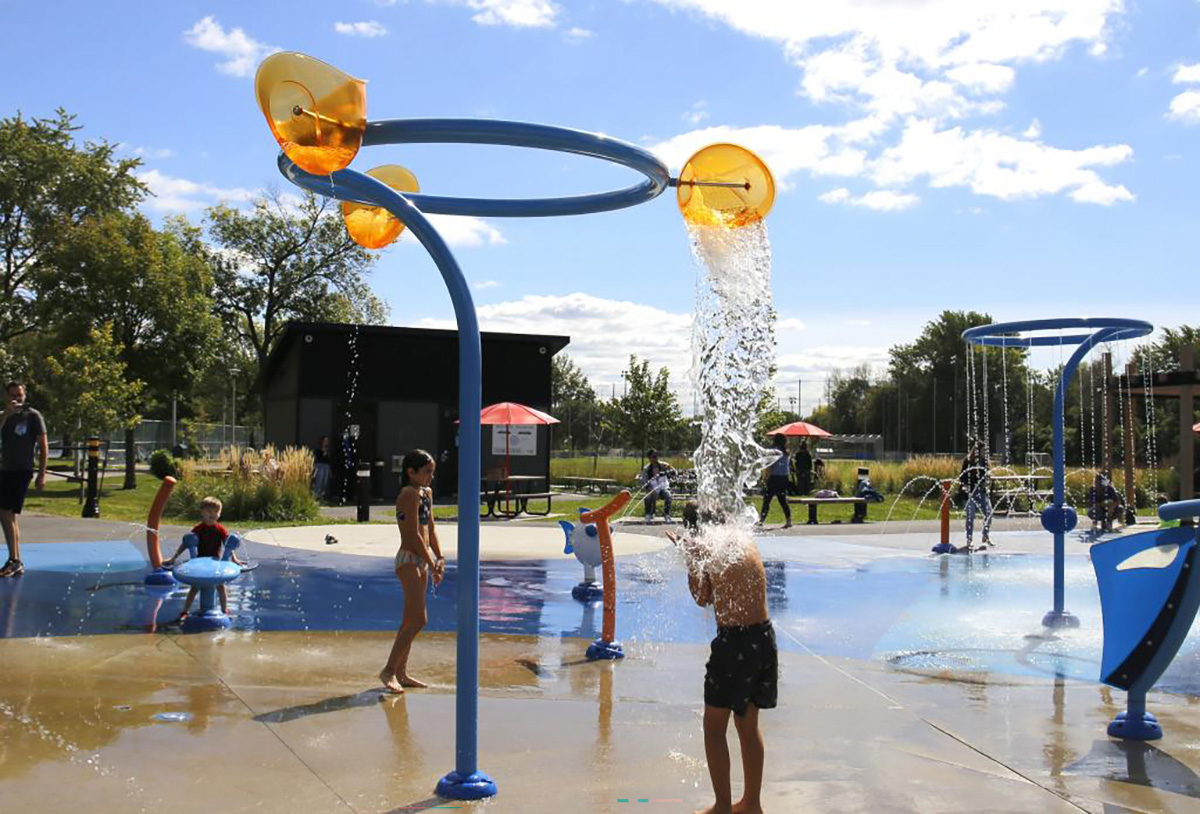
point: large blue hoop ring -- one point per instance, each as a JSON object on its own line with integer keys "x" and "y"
{"x": 502, "y": 133}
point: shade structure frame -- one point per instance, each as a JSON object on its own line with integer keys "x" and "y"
{"x": 1058, "y": 518}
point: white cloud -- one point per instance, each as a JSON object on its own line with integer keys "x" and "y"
{"x": 905, "y": 67}
{"x": 462, "y": 231}
{"x": 515, "y": 13}
{"x": 1185, "y": 107}
{"x": 483, "y": 285}
{"x": 697, "y": 114}
{"x": 576, "y": 36}
{"x": 862, "y": 323}
{"x": 181, "y": 195}
{"x": 385, "y": 3}
{"x": 365, "y": 28}
{"x": 1034, "y": 131}
{"x": 242, "y": 52}
{"x": 1186, "y": 74}
{"x": 983, "y": 77}
{"x": 604, "y": 332}
{"x": 790, "y": 324}
{"x": 904, "y": 58}
{"x": 148, "y": 152}
{"x": 880, "y": 200}
{"x": 1141, "y": 72}
{"x": 1000, "y": 165}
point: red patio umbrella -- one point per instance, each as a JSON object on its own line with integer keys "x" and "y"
{"x": 800, "y": 429}
{"x": 509, "y": 413}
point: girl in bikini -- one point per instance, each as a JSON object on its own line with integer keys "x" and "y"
{"x": 419, "y": 557}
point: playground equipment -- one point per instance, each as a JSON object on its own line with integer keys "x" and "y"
{"x": 607, "y": 647}
{"x": 317, "y": 114}
{"x": 583, "y": 540}
{"x": 1149, "y": 593}
{"x": 1058, "y": 518}
{"x": 207, "y": 573}
{"x": 160, "y": 576}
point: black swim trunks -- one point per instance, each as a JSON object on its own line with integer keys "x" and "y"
{"x": 743, "y": 668}
{"x": 14, "y": 484}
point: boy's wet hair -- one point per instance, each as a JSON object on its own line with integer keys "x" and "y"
{"x": 211, "y": 502}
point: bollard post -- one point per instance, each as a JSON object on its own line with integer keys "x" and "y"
{"x": 91, "y": 504}
{"x": 364, "y": 495}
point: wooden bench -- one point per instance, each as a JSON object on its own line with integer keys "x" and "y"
{"x": 860, "y": 506}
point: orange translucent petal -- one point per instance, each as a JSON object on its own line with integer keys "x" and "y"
{"x": 373, "y": 227}
{"x": 317, "y": 113}
{"x": 732, "y": 206}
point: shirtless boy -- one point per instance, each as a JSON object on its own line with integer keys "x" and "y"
{"x": 743, "y": 668}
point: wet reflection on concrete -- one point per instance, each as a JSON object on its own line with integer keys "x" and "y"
{"x": 1143, "y": 764}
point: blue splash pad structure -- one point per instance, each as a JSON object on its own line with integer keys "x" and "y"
{"x": 929, "y": 615}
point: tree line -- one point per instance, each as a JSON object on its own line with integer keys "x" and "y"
{"x": 108, "y": 318}
{"x": 935, "y": 395}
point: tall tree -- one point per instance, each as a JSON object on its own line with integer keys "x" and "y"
{"x": 280, "y": 262}
{"x": 152, "y": 287}
{"x": 573, "y": 402}
{"x": 648, "y": 411}
{"x": 87, "y": 388}
{"x": 49, "y": 183}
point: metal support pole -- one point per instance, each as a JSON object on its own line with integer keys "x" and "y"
{"x": 363, "y": 494}
{"x": 1130, "y": 454}
{"x": 91, "y": 504}
{"x": 1187, "y": 438}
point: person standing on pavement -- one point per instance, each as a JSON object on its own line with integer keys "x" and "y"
{"x": 22, "y": 429}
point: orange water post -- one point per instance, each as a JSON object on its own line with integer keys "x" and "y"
{"x": 609, "y": 569}
{"x": 153, "y": 550}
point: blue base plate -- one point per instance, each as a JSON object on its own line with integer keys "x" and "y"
{"x": 474, "y": 786}
{"x": 1145, "y": 728}
{"x": 601, "y": 649}
{"x": 1057, "y": 619}
{"x": 587, "y": 592}
{"x": 207, "y": 621}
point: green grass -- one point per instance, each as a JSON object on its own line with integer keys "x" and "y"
{"x": 61, "y": 498}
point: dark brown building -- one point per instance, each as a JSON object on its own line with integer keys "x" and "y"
{"x": 397, "y": 389}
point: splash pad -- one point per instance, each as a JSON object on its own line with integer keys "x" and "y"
{"x": 317, "y": 114}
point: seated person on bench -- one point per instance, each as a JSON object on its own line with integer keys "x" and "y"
{"x": 1104, "y": 503}
{"x": 656, "y": 477}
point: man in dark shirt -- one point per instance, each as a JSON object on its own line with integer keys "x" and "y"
{"x": 22, "y": 429}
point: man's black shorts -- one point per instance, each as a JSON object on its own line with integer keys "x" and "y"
{"x": 743, "y": 668}
{"x": 14, "y": 483}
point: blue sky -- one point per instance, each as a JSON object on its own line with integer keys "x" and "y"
{"x": 1028, "y": 159}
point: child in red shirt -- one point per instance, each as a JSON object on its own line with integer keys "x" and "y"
{"x": 210, "y": 536}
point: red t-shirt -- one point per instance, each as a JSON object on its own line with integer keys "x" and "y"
{"x": 211, "y": 539}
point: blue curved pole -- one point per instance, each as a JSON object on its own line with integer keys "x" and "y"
{"x": 1058, "y": 616}
{"x": 466, "y": 781}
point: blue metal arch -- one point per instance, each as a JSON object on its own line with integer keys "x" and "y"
{"x": 1007, "y": 335}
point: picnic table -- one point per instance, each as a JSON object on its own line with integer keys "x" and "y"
{"x": 859, "y": 503}
{"x": 598, "y": 485}
{"x": 509, "y": 495}
{"x": 1009, "y": 490}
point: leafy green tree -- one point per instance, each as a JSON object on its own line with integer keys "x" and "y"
{"x": 648, "y": 411}
{"x": 87, "y": 388}
{"x": 49, "y": 183}
{"x": 279, "y": 262}
{"x": 573, "y": 403}
{"x": 153, "y": 288}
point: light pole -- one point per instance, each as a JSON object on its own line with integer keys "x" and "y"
{"x": 233, "y": 372}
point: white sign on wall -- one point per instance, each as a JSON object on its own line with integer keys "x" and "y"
{"x": 522, "y": 439}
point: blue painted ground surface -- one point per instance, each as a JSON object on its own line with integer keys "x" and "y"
{"x": 919, "y": 613}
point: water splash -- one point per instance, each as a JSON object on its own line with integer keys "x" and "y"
{"x": 733, "y": 348}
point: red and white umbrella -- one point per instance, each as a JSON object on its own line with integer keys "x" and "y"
{"x": 800, "y": 429}
{"x": 509, "y": 413}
